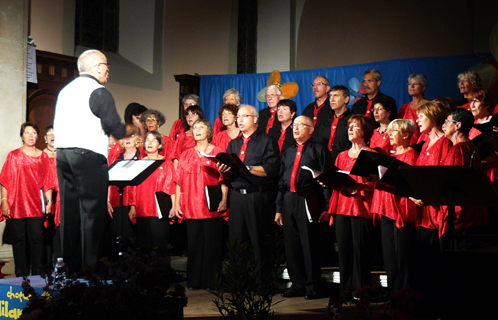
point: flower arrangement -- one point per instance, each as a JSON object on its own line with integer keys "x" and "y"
{"x": 242, "y": 290}
{"x": 138, "y": 286}
{"x": 400, "y": 304}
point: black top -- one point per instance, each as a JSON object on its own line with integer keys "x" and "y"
{"x": 103, "y": 107}
{"x": 289, "y": 138}
{"x": 323, "y": 114}
{"x": 135, "y": 157}
{"x": 261, "y": 151}
{"x": 360, "y": 106}
{"x": 462, "y": 102}
{"x": 264, "y": 116}
{"x": 341, "y": 141}
{"x": 315, "y": 156}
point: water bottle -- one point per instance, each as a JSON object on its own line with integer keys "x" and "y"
{"x": 60, "y": 270}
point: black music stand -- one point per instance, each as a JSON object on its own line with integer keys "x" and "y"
{"x": 129, "y": 173}
{"x": 451, "y": 186}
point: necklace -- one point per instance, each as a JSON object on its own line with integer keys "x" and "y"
{"x": 199, "y": 151}
{"x": 381, "y": 132}
{"x": 53, "y": 151}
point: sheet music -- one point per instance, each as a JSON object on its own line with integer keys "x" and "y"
{"x": 159, "y": 213}
{"x": 44, "y": 210}
{"x": 382, "y": 170}
{"x": 314, "y": 173}
{"x": 207, "y": 195}
{"x": 133, "y": 168}
{"x": 308, "y": 211}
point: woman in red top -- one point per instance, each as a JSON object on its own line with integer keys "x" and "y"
{"x": 51, "y": 233}
{"x": 398, "y": 214}
{"x": 456, "y": 128}
{"x": 430, "y": 119}
{"x": 204, "y": 227}
{"x": 228, "y": 116}
{"x": 131, "y": 146}
{"x": 180, "y": 125}
{"x": 350, "y": 211}
{"x": 185, "y": 140}
{"x": 384, "y": 112}
{"x": 417, "y": 84}
{"x": 231, "y": 96}
{"x": 152, "y": 120}
{"x": 153, "y": 226}
{"x": 24, "y": 177}
{"x": 467, "y": 81}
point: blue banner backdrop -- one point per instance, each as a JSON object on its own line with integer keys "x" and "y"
{"x": 441, "y": 73}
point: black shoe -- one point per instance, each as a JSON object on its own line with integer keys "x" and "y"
{"x": 291, "y": 293}
{"x": 311, "y": 295}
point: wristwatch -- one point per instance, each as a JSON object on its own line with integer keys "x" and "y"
{"x": 249, "y": 168}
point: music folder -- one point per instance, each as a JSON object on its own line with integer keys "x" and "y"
{"x": 229, "y": 159}
{"x": 214, "y": 195}
{"x": 368, "y": 163}
{"x": 163, "y": 204}
{"x": 393, "y": 177}
{"x": 332, "y": 177}
{"x": 132, "y": 172}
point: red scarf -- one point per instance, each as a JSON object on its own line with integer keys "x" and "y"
{"x": 242, "y": 154}
{"x": 281, "y": 139}
{"x": 315, "y": 112}
{"x": 295, "y": 168}
{"x": 271, "y": 120}
{"x": 333, "y": 129}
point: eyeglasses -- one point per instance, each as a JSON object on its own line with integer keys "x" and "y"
{"x": 150, "y": 120}
{"x": 244, "y": 116}
{"x": 108, "y": 65}
{"x": 447, "y": 121}
{"x": 353, "y": 127}
{"x": 316, "y": 84}
{"x": 379, "y": 109}
{"x": 273, "y": 95}
{"x": 300, "y": 125}
{"x": 416, "y": 84}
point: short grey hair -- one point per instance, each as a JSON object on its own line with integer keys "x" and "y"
{"x": 192, "y": 97}
{"x": 235, "y": 92}
{"x": 418, "y": 77}
{"x": 377, "y": 73}
{"x": 327, "y": 82}
{"x": 88, "y": 59}
{"x": 274, "y": 87}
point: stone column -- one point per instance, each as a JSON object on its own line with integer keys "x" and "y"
{"x": 13, "y": 59}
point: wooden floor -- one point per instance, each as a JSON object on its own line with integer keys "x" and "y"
{"x": 201, "y": 306}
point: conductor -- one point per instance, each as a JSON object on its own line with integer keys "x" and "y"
{"x": 85, "y": 118}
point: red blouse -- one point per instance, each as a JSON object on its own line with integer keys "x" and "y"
{"x": 406, "y": 112}
{"x": 386, "y": 203}
{"x": 357, "y": 205}
{"x": 56, "y": 205}
{"x": 430, "y": 217}
{"x": 221, "y": 140}
{"x": 192, "y": 175}
{"x": 159, "y": 180}
{"x": 23, "y": 177}
{"x": 182, "y": 143}
{"x": 465, "y": 217}
{"x": 168, "y": 147}
{"x": 218, "y": 126}
{"x": 176, "y": 129}
{"x": 380, "y": 143}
